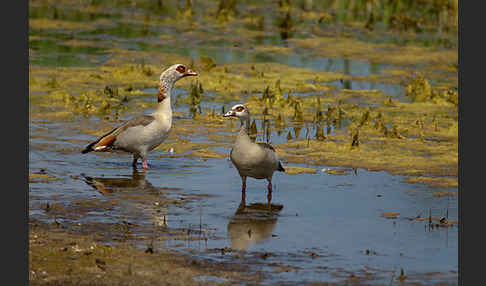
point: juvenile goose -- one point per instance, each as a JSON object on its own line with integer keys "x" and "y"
{"x": 143, "y": 133}
{"x": 256, "y": 160}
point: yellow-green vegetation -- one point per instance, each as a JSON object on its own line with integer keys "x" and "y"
{"x": 179, "y": 145}
{"x": 256, "y": 77}
{"x": 335, "y": 171}
{"x": 438, "y": 221}
{"x": 433, "y": 59}
{"x": 444, "y": 193}
{"x": 42, "y": 178}
{"x": 293, "y": 170}
{"x": 346, "y": 47}
{"x": 391, "y": 215}
{"x": 434, "y": 181}
{"x": 50, "y": 24}
{"x": 207, "y": 154}
{"x": 412, "y": 138}
{"x": 420, "y": 90}
{"x": 404, "y": 138}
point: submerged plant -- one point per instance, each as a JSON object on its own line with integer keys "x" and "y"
{"x": 419, "y": 90}
{"x": 320, "y": 133}
{"x": 285, "y": 24}
{"x": 298, "y": 114}
{"x": 208, "y": 63}
{"x": 355, "y": 138}
{"x": 289, "y": 136}
{"x": 195, "y": 96}
{"x": 226, "y": 9}
{"x": 318, "y": 116}
{"x": 365, "y": 118}
{"x": 53, "y": 83}
{"x": 253, "y": 131}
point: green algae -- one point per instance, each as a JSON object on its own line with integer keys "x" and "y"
{"x": 346, "y": 47}
{"x": 335, "y": 171}
{"x": 420, "y": 90}
{"x": 50, "y": 24}
{"x": 294, "y": 170}
{"x": 42, "y": 178}
{"x": 444, "y": 193}
{"x": 442, "y": 182}
{"x": 411, "y": 128}
{"x": 208, "y": 154}
{"x": 402, "y": 149}
{"x": 394, "y": 155}
{"x": 390, "y": 215}
{"x": 256, "y": 77}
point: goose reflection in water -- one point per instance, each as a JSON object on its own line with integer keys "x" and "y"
{"x": 252, "y": 224}
{"x": 110, "y": 185}
{"x": 136, "y": 183}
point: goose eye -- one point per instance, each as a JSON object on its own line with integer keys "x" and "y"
{"x": 181, "y": 69}
{"x": 239, "y": 108}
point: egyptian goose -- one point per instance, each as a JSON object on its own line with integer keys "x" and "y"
{"x": 255, "y": 160}
{"x": 142, "y": 134}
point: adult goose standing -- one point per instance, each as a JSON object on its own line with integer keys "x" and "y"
{"x": 255, "y": 160}
{"x": 144, "y": 133}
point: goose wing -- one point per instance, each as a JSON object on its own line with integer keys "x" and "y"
{"x": 105, "y": 142}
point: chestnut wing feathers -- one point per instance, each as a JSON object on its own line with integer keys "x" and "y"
{"x": 107, "y": 140}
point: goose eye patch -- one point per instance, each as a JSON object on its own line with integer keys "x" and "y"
{"x": 240, "y": 108}
{"x": 181, "y": 69}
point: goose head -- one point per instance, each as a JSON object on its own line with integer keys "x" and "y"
{"x": 239, "y": 111}
{"x": 175, "y": 73}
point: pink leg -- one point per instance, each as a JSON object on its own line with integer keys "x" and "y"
{"x": 145, "y": 164}
{"x": 269, "y": 195}
{"x": 243, "y": 188}
{"x": 243, "y": 191}
{"x": 134, "y": 163}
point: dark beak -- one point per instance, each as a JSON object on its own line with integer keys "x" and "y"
{"x": 229, "y": 113}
